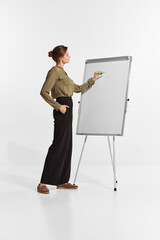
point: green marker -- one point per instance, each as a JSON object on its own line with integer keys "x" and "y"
{"x": 100, "y": 72}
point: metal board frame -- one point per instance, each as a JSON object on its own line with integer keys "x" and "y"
{"x": 98, "y": 60}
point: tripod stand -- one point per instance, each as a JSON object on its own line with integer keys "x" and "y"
{"x": 112, "y": 155}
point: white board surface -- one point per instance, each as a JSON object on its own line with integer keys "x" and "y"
{"x": 102, "y": 107}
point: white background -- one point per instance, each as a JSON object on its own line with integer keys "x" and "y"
{"x": 90, "y": 29}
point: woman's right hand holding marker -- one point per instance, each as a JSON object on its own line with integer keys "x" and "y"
{"x": 96, "y": 75}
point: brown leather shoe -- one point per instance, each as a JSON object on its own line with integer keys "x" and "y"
{"x": 67, "y": 186}
{"x": 42, "y": 188}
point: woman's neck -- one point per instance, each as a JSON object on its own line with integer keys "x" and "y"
{"x": 60, "y": 64}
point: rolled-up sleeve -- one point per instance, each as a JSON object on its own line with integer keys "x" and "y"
{"x": 84, "y": 86}
{"x": 46, "y": 88}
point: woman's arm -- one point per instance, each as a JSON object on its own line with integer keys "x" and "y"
{"x": 84, "y": 86}
{"x": 46, "y": 88}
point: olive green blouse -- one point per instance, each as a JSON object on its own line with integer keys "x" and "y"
{"x": 60, "y": 85}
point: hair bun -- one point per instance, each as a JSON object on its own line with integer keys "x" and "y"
{"x": 50, "y": 54}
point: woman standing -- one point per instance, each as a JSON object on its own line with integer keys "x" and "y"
{"x": 57, "y": 166}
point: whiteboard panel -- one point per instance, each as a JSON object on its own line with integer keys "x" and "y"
{"x": 103, "y": 106}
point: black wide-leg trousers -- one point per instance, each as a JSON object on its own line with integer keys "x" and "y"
{"x": 57, "y": 166}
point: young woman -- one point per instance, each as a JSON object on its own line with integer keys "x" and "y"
{"x": 57, "y": 166}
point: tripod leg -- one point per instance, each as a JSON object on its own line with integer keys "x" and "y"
{"x": 109, "y": 144}
{"x": 80, "y": 160}
{"x": 113, "y": 160}
{"x": 115, "y": 189}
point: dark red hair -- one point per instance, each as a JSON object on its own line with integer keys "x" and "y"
{"x": 57, "y": 52}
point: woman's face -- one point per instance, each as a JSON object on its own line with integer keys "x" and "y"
{"x": 65, "y": 58}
